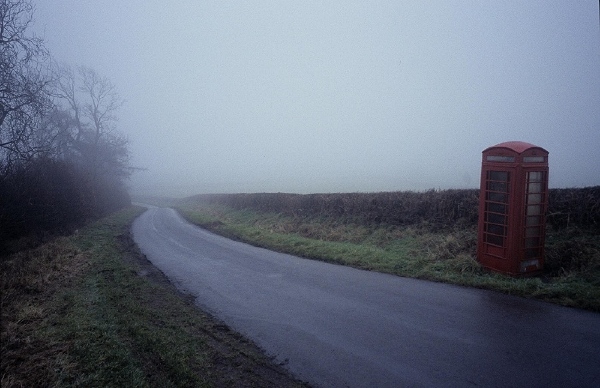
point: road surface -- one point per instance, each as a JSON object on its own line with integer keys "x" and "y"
{"x": 336, "y": 326}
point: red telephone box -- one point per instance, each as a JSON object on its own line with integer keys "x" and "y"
{"x": 512, "y": 207}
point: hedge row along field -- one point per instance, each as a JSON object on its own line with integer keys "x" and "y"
{"x": 439, "y": 208}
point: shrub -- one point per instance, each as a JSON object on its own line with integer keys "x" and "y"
{"x": 48, "y": 195}
{"x": 439, "y": 208}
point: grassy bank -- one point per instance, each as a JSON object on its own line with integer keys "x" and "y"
{"x": 89, "y": 310}
{"x": 420, "y": 250}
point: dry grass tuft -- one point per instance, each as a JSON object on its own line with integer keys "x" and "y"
{"x": 28, "y": 283}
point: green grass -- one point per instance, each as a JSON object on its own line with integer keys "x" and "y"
{"x": 114, "y": 323}
{"x": 413, "y": 251}
{"x": 91, "y": 311}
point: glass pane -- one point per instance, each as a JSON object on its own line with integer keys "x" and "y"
{"x": 532, "y": 242}
{"x": 496, "y": 240}
{"x": 534, "y": 199}
{"x": 534, "y": 176}
{"x": 533, "y": 221}
{"x": 534, "y": 187}
{"x": 532, "y": 232}
{"x": 495, "y": 229}
{"x": 496, "y": 218}
{"x": 493, "y": 158}
{"x": 496, "y": 207}
{"x": 498, "y": 186}
{"x": 497, "y": 197}
{"x": 533, "y": 159}
{"x": 534, "y": 210}
{"x": 532, "y": 253}
{"x": 498, "y": 176}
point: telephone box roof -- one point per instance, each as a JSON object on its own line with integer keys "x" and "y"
{"x": 516, "y": 146}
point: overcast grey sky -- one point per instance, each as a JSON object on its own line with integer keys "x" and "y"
{"x": 338, "y": 96}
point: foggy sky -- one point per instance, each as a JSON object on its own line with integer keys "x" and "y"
{"x": 338, "y": 96}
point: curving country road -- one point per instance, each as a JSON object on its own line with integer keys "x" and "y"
{"x": 336, "y": 326}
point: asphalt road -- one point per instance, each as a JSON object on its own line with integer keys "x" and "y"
{"x": 335, "y": 326}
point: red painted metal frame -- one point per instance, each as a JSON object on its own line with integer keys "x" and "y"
{"x": 507, "y": 242}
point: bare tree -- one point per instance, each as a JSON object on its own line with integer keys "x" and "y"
{"x": 24, "y": 83}
{"x": 53, "y": 137}
{"x": 93, "y": 102}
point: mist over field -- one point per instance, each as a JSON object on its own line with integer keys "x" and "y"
{"x": 338, "y": 96}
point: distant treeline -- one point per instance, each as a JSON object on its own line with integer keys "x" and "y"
{"x": 438, "y": 208}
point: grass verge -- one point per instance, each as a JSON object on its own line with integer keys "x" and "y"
{"x": 90, "y": 310}
{"x": 413, "y": 251}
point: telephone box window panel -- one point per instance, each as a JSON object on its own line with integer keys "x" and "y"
{"x": 496, "y": 207}
{"x": 495, "y": 158}
{"x": 534, "y": 159}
